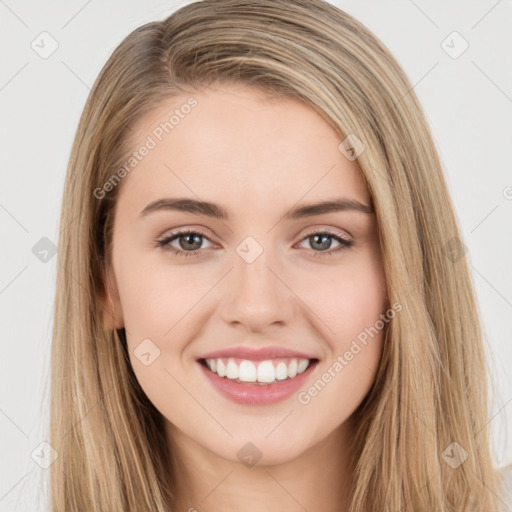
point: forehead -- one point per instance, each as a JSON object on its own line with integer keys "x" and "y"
{"x": 236, "y": 144}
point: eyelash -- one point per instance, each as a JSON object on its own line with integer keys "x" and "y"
{"x": 164, "y": 242}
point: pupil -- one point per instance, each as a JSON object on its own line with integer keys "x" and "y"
{"x": 187, "y": 241}
{"x": 322, "y": 238}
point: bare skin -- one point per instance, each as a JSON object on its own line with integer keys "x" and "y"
{"x": 257, "y": 159}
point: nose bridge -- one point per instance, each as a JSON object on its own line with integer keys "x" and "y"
{"x": 256, "y": 295}
{"x": 252, "y": 274}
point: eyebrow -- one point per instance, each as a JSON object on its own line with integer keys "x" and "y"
{"x": 218, "y": 212}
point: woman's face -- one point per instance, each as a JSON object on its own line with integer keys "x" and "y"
{"x": 265, "y": 274}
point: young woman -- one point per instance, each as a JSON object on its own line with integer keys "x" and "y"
{"x": 262, "y": 298}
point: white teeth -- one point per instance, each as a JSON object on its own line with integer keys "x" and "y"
{"x": 281, "y": 371}
{"x": 266, "y": 372}
{"x": 303, "y": 364}
{"x": 263, "y": 372}
{"x": 232, "y": 370}
{"x": 247, "y": 371}
{"x": 221, "y": 369}
{"x": 292, "y": 369}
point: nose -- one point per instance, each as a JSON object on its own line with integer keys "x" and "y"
{"x": 257, "y": 295}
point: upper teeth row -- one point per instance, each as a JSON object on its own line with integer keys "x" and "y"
{"x": 247, "y": 371}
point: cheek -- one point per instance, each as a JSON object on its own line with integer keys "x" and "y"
{"x": 154, "y": 296}
{"x": 155, "y": 300}
{"x": 351, "y": 305}
{"x": 351, "y": 298}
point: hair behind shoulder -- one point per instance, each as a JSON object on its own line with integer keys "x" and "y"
{"x": 422, "y": 441}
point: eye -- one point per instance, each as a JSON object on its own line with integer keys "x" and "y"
{"x": 320, "y": 240}
{"x": 190, "y": 242}
{"x": 188, "y": 239}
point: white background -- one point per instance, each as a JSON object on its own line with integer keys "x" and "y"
{"x": 468, "y": 101}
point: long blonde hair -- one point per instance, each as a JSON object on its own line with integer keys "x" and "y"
{"x": 431, "y": 389}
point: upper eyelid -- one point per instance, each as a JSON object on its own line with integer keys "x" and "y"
{"x": 332, "y": 231}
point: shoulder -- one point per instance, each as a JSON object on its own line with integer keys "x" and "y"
{"x": 506, "y": 473}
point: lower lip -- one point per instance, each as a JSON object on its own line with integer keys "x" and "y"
{"x": 252, "y": 393}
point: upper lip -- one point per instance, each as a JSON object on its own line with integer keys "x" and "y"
{"x": 259, "y": 354}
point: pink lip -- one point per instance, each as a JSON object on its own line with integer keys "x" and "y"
{"x": 252, "y": 393}
{"x": 261, "y": 354}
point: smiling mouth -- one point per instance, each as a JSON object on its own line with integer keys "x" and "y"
{"x": 263, "y": 373}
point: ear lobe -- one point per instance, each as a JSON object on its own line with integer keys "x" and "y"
{"x": 112, "y": 311}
